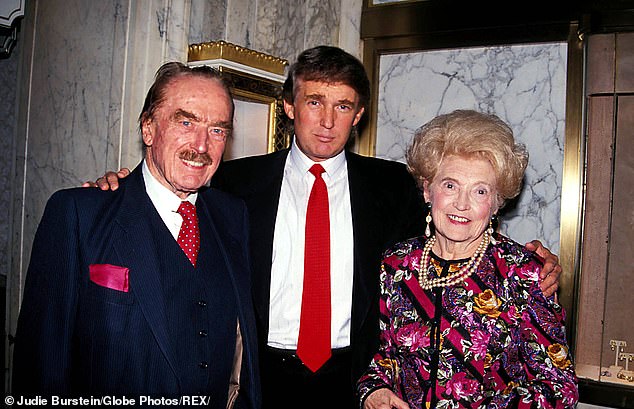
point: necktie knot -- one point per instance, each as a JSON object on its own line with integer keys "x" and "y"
{"x": 187, "y": 210}
{"x": 317, "y": 170}
{"x": 189, "y": 236}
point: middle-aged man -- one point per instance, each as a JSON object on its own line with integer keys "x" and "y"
{"x": 372, "y": 203}
{"x": 316, "y": 288}
{"x": 144, "y": 293}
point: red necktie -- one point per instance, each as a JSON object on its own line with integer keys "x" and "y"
{"x": 313, "y": 344}
{"x": 189, "y": 236}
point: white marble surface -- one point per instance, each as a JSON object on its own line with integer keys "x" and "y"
{"x": 524, "y": 85}
{"x": 282, "y": 28}
{"x": 174, "y": 29}
{"x": 240, "y": 22}
{"x": 85, "y": 71}
{"x": 207, "y": 20}
{"x": 285, "y": 28}
{"x": 8, "y": 92}
{"x": 70, "y": 82}
{"x": 350, "y": 27}
{"x": 322, "y": 22}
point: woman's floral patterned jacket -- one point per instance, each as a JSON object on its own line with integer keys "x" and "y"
{"x": 492, "y": 341}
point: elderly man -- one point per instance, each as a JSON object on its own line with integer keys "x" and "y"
{"x": 145, "y": 292}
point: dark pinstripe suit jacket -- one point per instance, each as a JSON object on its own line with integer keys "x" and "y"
{"x": 60, "y": 349}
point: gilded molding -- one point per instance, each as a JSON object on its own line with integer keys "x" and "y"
{"x": 231, "y": 52}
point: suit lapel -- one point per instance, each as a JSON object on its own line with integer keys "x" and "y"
{"x": 220, "y": 237}
{"x": 263, "y": 204}
{"x": 137, "y": 249}
{"x": 365, "y": 213}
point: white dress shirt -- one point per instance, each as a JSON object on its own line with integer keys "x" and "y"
{"x": 287, "y": 270}
{"x": 165, "y": 201}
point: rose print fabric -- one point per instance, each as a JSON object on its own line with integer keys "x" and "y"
{"x": 492, "y": 341}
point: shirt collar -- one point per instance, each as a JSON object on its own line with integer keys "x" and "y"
{"x": 333, "y": 166}
{"x": 162, "y": 197}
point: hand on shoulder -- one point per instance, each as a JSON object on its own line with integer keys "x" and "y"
{"x": 551, "y": 271}
{"x": 109, "y": 181}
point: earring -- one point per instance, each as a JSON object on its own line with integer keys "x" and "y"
{"x": 428, "y": 220}
{"x": 490, "y": 230}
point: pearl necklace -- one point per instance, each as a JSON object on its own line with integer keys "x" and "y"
{"x": 454, "y": 278}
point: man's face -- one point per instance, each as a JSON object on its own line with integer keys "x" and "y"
{"x": 185, "y": 138}
{"x": 323, "y": 114}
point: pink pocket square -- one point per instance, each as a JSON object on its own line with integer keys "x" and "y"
{"x": 107, "y": 275}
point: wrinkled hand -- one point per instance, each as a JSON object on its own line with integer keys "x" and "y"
{"x": 384, "y": 399}
{"x": 109, "y": 181}
{"x": 551, "y": 271}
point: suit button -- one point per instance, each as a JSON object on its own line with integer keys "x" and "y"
{"x": 202, "y": 303}
{"x": 202, "y": 333}
{"x": 203, "y": 365}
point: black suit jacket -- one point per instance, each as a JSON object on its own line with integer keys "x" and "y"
{"x": 75, "y": 337}
{"x": 386, "y": 207}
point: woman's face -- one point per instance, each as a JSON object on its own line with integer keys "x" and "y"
{"x": 463, "y": 196}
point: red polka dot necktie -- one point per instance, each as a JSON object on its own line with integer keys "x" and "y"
{"x": 189, "y": 236}
{"x": 313, "y": 344}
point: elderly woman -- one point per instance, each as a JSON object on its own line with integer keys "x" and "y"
{"x": 463, "y": 320}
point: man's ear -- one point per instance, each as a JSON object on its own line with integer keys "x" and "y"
{"x": 289, "y": 109}
{"x": 357, "y": 116}
{"x": 147, "y": 131}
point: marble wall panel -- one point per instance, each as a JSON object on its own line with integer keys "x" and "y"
{"x": 285, "y": 28}
{"x": 241, "y": 22}
{"x": 267, "y": 17}
{"x": 174, "y": 24}
{"x": 84, "y": 73}
{"x": 350, "y": 27}
{"x": 280, "y": 28}
{"x": 8, "y": 94}
{"x": 207, "y": 21}
{"x": 523, "y": 84}
{"x": 70, "y": 84}
{"x": 63, "y": 110}
{"x": 322, "y": 22}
